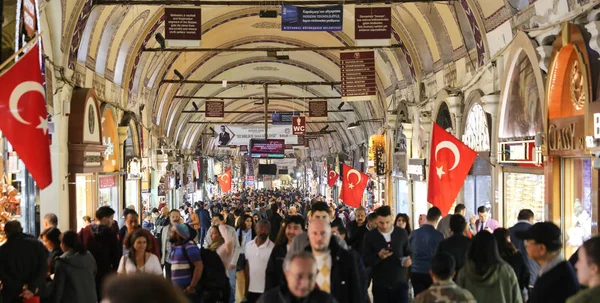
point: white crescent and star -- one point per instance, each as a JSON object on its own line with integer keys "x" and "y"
{"x": 350, "y": 172}
{"x": 15, "y": 96}
{"x": 225, "y": 180}
{"x": 331, "y": 174}
{"x": 452, "y": 147}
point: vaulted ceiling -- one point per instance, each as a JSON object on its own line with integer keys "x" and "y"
{"x": 110, "y": 39}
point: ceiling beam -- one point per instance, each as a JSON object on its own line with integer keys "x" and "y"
{"x": 300, "y": 83}
{"x": 269, "y": 49}
{"x": 257, "y": 98}
{"x": 257, "y": 123}
{"x": 262, "y": 112}
{"x": 256, "y": 3}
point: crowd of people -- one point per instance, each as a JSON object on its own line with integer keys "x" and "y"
{"x": 276, "y": 246}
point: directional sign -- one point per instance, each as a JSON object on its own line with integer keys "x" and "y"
{"x": 299, "y": 125}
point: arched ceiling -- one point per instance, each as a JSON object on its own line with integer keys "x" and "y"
{"x": 110, "y": 40}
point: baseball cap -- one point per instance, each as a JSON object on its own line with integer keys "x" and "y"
{"x": 546, "y": 233}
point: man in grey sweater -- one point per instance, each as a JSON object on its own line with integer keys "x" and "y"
{"x": 318, "y": 211}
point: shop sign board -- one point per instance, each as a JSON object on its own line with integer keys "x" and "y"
{"x": 282, "y": 118}
{"x": 134, "y": 169}
{"x": 566, "y": 136}
{"x": 373, "y": 24}
{"x": 183, "y": 26}
{"x": 358, "y": 76}
{"x": 416, "y": 169}
{"x": 107, "y": 181}
{"x": 318, "y": 110}
{"x": 323, "y": 18}
{"x": 214, "y": 110}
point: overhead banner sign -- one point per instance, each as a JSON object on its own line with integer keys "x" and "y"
{"x": 317, "y": 110}
{"x": 214, "y": 110}
{"x": 318, "y": 19}
{"x": 372, "y": 25}
{"x": 282, "y": 118}
{"x": 358, "y": 76}
{"x": 230, "y": 135}
{"x": 183, "y": 26}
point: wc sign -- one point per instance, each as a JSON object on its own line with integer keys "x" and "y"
{"x": 299, "y": 125}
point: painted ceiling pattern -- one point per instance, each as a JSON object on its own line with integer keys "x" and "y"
{"x": 110, "y": 41}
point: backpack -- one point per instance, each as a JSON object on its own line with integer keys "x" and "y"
{"x": 214, "y": 284}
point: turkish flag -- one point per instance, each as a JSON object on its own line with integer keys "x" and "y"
{"x": 332, "y": 176}
{"x": 24, "y": 120}
{"x": 353, "y": 186}
{"x": 450, "y": 162}
{"x": 225, "y": 181}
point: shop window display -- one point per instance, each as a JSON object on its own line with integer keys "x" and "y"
{"x": 402, "y": 203}
{"x": 477, "y": 192}
{"x": 523, "y": 191}
{"x": 577, "y": 181}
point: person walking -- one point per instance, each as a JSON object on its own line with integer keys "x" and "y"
{"x": 74, "y": 280}
{"x": 525, "y": 222}
{"x": 588, "y": 272}
{"x": 186, "y": 262}
{"x": 357, "y": 229}
{"x": 443, "y": 288}
{"x": 300, "y": 271}
{"x": 386, "y": 251}
{"x": 51, "y": 240}
{"x": 444, "y": 224}
{"x": 458, "y": 244}
{"x": 23, "y": 265}
{"x": 141, "y": 288}
{"x": 423, "y": 243}
{"x": 246, "y": 233}
{"x": 294, "y": 225}
{"x": 557, "y": 279}
{"x": 231, "y": 240}
{"x": 514, "y": 258}
{"x": 486, "y": 275}
{"x": 257, "y": 258}
{"x": 132, "y": 224}
{"x": 101, "y": 240}
{"x": 484, "y": 222}
{"x": 140, "y": 258}
{"x": 318, "y": 211}
{"x": 275, "y": 220}
{"x": 204, "y": 216}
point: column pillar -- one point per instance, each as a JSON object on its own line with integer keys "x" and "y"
{"x": 490, "y": 105}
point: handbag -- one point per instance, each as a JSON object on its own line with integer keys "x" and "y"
{"x": 241, "y": 263}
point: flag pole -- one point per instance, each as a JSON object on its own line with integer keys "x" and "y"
{"x": 29, "y": 44}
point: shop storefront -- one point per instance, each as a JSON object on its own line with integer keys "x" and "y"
{"x": 521, "y": 182}
{"x": 108, "y": 180}
{"x": 568, "y": 167}
{"x": 399, "y": 171}
{"x": 86, "y": 155}
{"x": 477, "y": 189}
{"x": 131, "y": 162}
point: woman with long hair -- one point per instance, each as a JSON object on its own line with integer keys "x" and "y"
{"x": 486, "y": 275}
{"x": 509, "y": 253}
{"x": 74, "y": 278}
{"x": 246, "y": 233}
{"x": 217, "y": 245}
{"x": 292, "y": 226}
{"x": 139, "y": 259}
{"x": 403, "y": 221}
{"x": 51, "y": 239}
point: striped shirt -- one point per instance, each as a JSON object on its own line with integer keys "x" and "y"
{"x": 181, "y": 270}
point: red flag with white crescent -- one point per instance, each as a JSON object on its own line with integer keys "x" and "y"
{"x": 450, "y": 162}
{"x": 332, "y": 177}
{"x": 225, "y": 181}
{"x": 24, "y": 120}
{"x": 353, "y": 186}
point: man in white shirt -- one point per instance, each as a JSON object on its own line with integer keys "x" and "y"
{"x": 257, "y": 255}
{"x": 232, "y": 240}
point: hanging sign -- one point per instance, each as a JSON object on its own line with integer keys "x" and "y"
{"x": 358, "y": 76}
{"x": 134, "y": 169}
{"x": 372, "y": 25}
{"x": 241, "y": 135}
{"x": 107, "y": 182}
{"x": 299, "y": 125}
{"x": 282, "y": 118}
{"x": 324, "y": 18}
{"x": 214, "y": 110}
{"x": 317, "y": 110}
{"x": 183, "y": 26}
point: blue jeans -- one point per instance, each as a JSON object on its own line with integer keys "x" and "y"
{"x": 201, "y": 235}
{"x": 231, "y": 273}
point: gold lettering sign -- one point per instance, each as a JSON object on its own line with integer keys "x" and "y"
{"x": 566, "y": 136}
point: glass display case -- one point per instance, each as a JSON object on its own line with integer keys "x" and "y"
{"x": 523, "y": 191}
{"x": 577, "y": 187}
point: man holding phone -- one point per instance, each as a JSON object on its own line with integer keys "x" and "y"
{"x": 387, "y": 253}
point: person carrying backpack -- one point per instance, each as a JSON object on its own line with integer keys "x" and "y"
{"x": 186, "y": 262}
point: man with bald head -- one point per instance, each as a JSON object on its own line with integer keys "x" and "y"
{"x": 338, "y": 269}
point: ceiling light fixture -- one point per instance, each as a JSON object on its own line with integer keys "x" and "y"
{"x": 178, "y": 74}
{"x": 161, "y": 40}
{"x": 353, "y": 125}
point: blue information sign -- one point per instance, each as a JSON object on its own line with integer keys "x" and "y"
{"x": 324, "y": 18}
{"x": 282, "y": 118}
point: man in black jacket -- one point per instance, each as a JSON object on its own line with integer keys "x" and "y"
{"x": 387, "y": 253}
{"x": 23, "y": 265}
{"x": 300, "y": 270}
{"x": 275, "y": 220}
{"x": 557, "y": 279}
{"x": 338, "y": 269}
{"x": 457, "y": 245}
{"x": 357, "y": 229}
{"x": 204, "y": 216}
{"x": 294, "y": 225}
{"x": 525, "y": 218}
